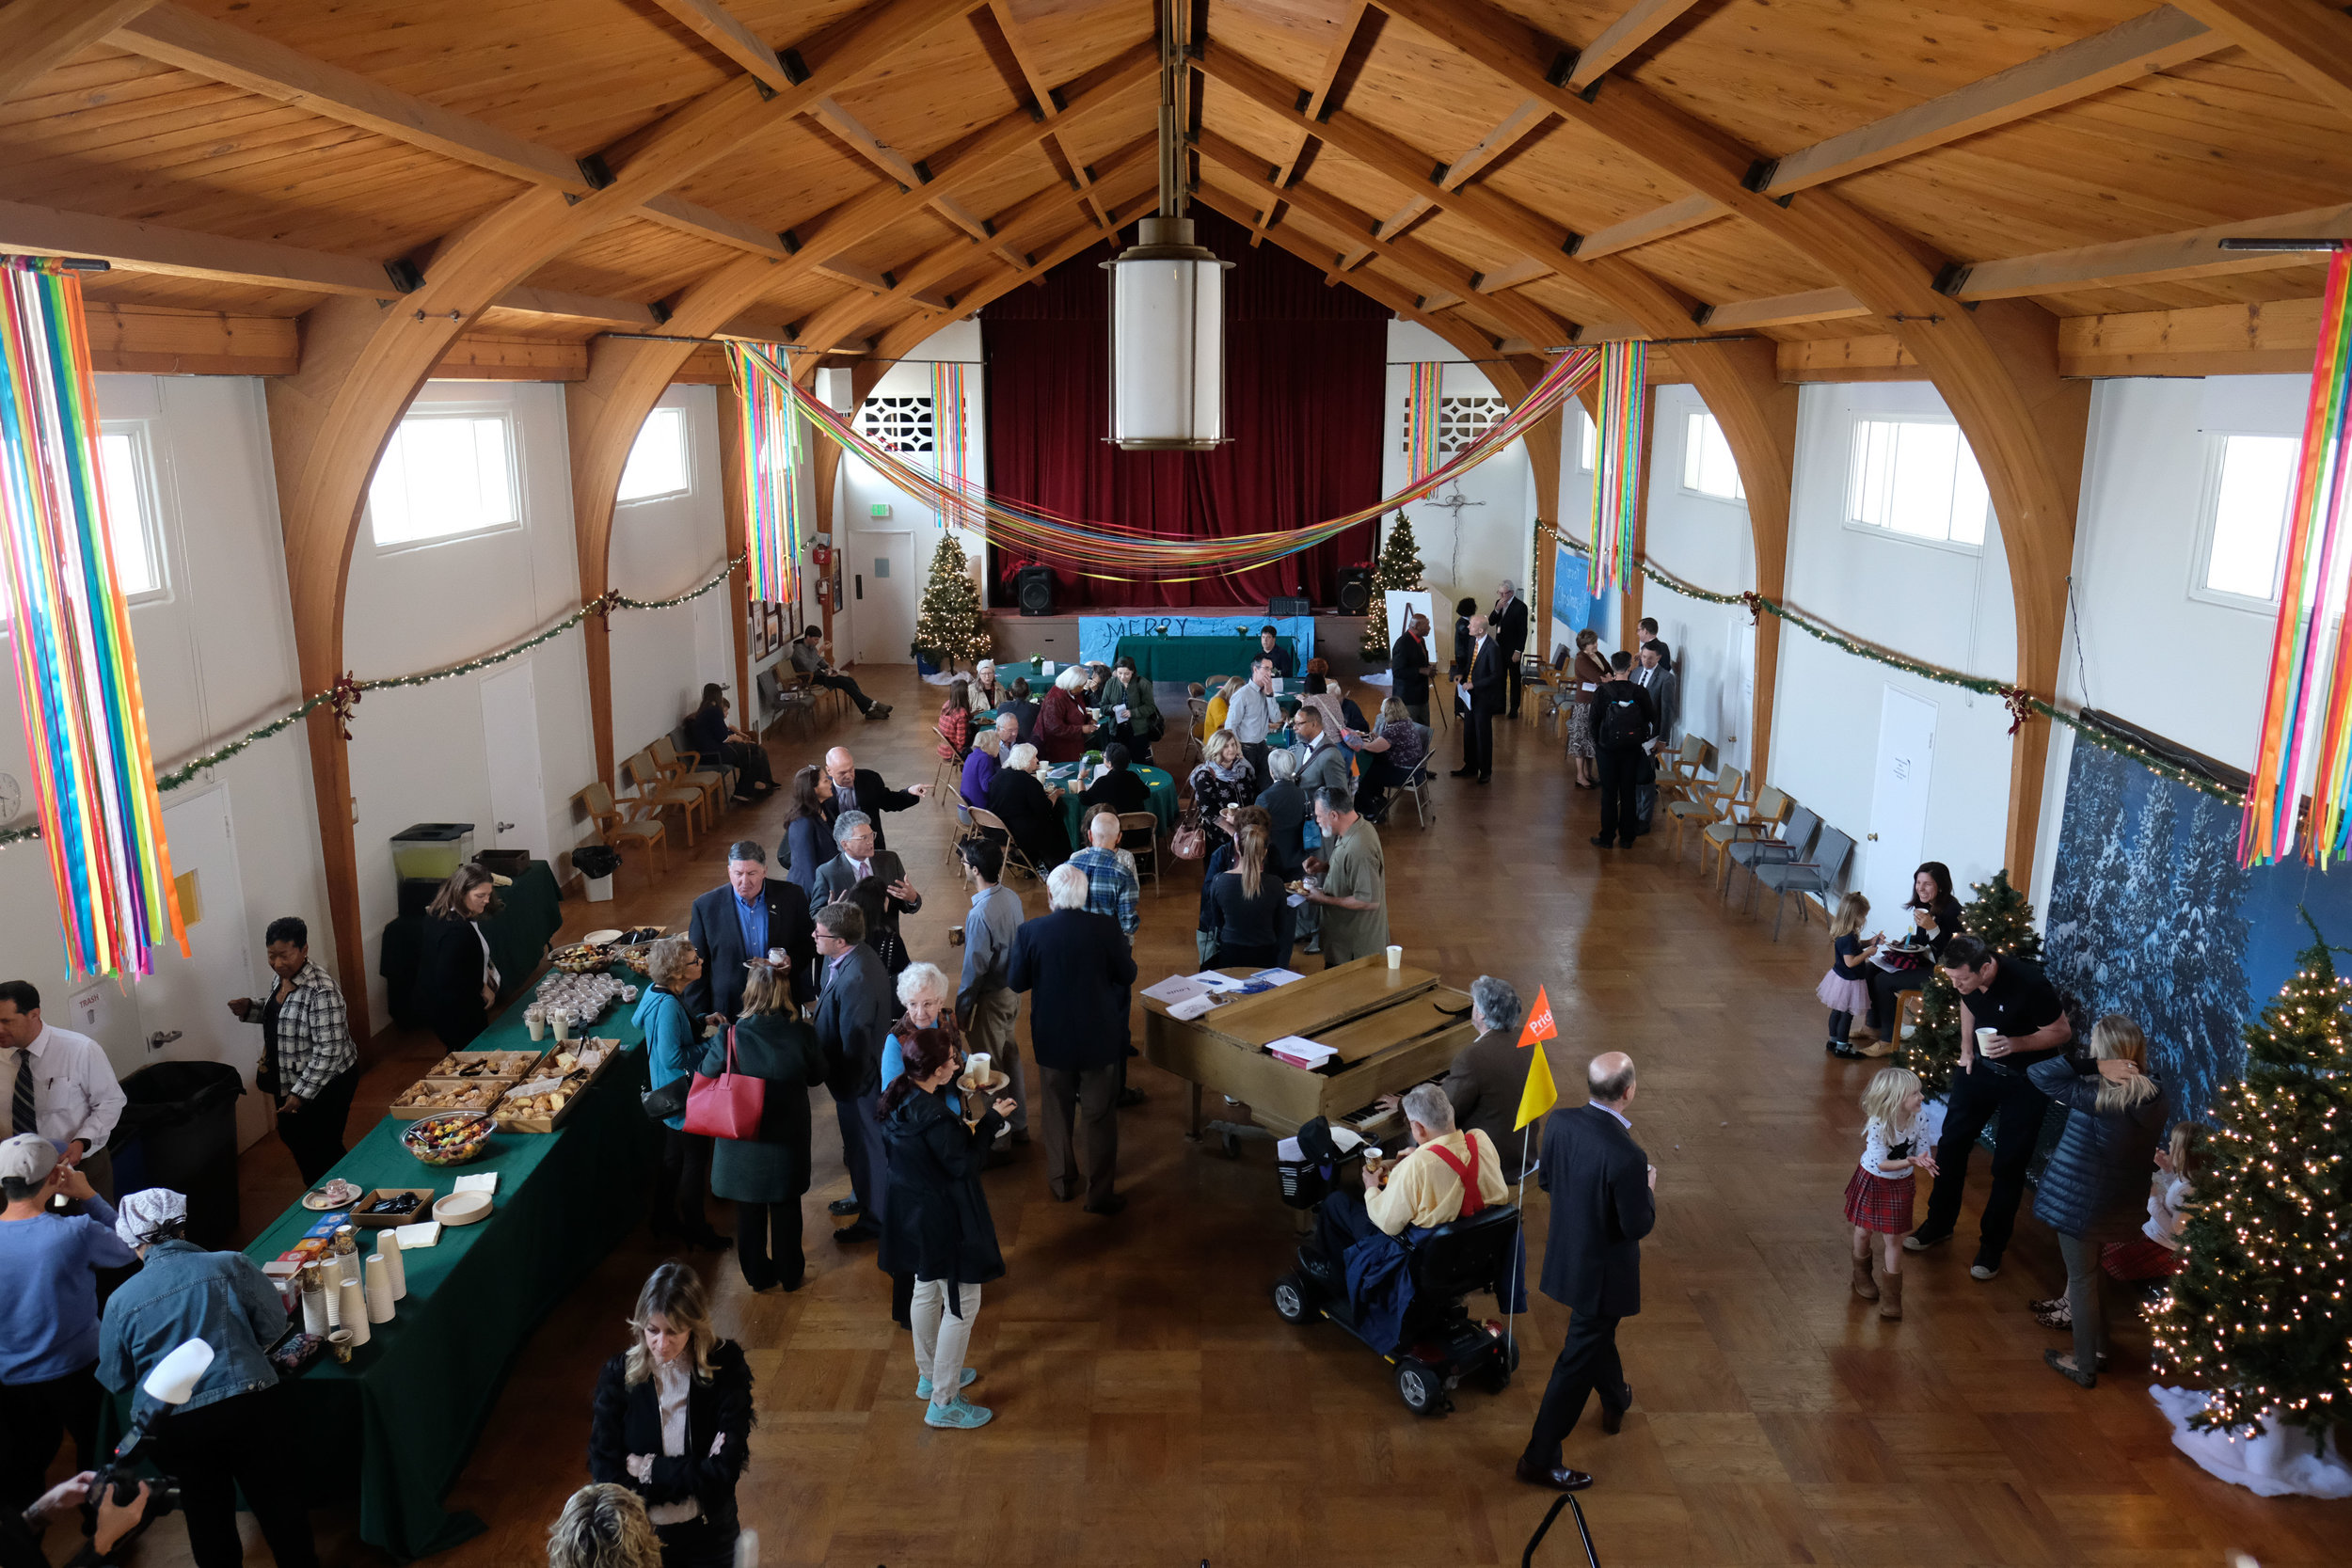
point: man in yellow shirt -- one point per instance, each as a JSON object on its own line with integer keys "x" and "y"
{"x": 1429, "y": 1187}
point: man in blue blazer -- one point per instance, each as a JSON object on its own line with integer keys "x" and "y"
{"x": 1080, "y": 966}
{"x": 754, "y": 914}
{"x": 1602, "y": 1192}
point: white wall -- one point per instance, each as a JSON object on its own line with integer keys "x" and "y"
{"x": 216, "y": 656}
{"x": 1706, "y": 541}
{"x": 1464, "y": 553}
{"x": 663, "y": 547}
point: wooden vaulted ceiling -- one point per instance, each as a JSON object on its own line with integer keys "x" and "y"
{"x": 240, "y": 161}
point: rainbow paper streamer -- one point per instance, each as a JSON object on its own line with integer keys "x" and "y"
{"x": 771, "y": 512}
{"x": 1617, "y": 485}
{"x": 2302, "y": 698}
{"x": 76, "y": 671}
{"x": 947, "y": 439}
{"x": 1119, "y": 553}
{"x": 1420, "y": 418}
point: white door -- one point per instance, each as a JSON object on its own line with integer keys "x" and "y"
{"x": 187, "y": 998}
{"x": 883, "y": 591}
{"x": 509, "y": 736}
{"x": 1898, "y": 807}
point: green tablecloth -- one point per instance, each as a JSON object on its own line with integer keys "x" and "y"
{"x": 1196, "y": 658}
{"x": 531, "y": 914}
{"x": 396, "y": 1426}
{"x": 1163, "y": 797}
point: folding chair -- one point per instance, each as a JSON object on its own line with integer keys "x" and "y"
{"x": 1416, "y": 785}
{"x": 1794, "y": 842}
{"x": 782, "y": 699}
{"x": 1763, "y": 817}
{"x": 619, "y": 822}
{"x": 1817, "y": 876}
{"x": 987, "y": 821}
{"x": 1681, "y": 779}
{"x": 1147, "y": 848}
{"x": 1716, "y": 805}
{"x": 714, "y": 778}
{"x": 659, "y": 795}
{"x": 966, "y": 830}
{"x": 950, "y": 768}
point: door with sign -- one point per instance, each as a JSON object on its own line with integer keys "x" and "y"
{"x": 882, "y": 587}
{"x": 1899, "y": 806}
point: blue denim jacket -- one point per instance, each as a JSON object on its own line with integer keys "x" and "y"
{"x": 183, "y": 1293}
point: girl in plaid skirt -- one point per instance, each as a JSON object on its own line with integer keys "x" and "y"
{"x": 1878, "y": 1198}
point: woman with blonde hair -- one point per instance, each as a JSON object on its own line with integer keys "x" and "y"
{"x": 672, "y": 1421}
{"x": 1252, "y": 908}
{"x": 603, "y": 1525}
{"x": 1879, "y": 1193}
{"x": 1224, "y": 778}
{"x": 2095, "y": 1186}
{"x": 765, "y": 1175}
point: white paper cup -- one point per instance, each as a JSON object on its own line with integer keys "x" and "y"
{"x": 379, "y": 1289}
{"x": 1396, "y": 956}
{"x": 978, "y": 1066}
{"x": 1986, "y": 1037}
{"x": 562, "y": 1026}
{"x": 538, "y": 1027}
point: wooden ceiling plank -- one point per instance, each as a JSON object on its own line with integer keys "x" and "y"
{"x": 719, "y": 27}
{"x": 1524, "y": 270}
{"x": 1642, "y": 22}
{"x": 2189, "y": 254}
{"x": 136, "y": 246}
{"x": 1814, "y": 304}
{"x": 2152, "y": 42}
{"x": 2276, "y": 337}
{"x": 993, "y": 22}
{"x": 1661, "y": 222}
{"x": 687, "y": 217}
{"x": 1319, "y": 94}
{"x": 483, "y": 357}
{"x": 867, "y": 145}
{"x": 1877, "y": 357}
{"x": 146, "y": 339}
{"x": 560, "y": 302}
{"x": 38, "y": 36}
{"x": 2307, "y": 43}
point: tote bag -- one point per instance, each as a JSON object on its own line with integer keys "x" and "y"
{"x": 727, "y": 1106}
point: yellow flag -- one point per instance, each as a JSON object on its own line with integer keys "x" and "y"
{"x": 1538, "y": 1095}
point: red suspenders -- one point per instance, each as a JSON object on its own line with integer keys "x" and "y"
{"x": 1472, "y": 1201}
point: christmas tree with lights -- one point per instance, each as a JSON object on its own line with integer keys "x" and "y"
{"x": 1399, "y": 567}
{"x": 949, "y": 624}
{"x": 2257, "y": 1316}
{"x": 2001, "y": 918}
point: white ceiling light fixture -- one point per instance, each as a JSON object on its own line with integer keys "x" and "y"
{"x": 1167, "y": 305}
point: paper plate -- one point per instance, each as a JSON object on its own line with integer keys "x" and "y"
{"x": 599, "y": 939}
{"x": 466, "y": 1208}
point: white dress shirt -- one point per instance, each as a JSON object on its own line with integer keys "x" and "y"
{"x": 74, "y": 1092}
{"x": 669, "y": 1382}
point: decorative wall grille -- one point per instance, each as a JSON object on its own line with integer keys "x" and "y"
{"x": 1460, "y": 421}
{"x": 901, "y": 424}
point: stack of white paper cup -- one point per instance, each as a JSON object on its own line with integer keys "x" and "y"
{"x": 388, "y": 1242}
{"x": 315, "y": 1304}
{"x": 352, "y": 1312}
{"x": 379, "y": 1289}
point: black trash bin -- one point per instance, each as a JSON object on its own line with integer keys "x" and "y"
{"x": 180, "y": 1131}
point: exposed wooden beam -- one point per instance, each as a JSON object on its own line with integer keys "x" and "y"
{"x": 2276, "y": 337}
{"x": 2309, "y": 42}
{"x": 867, "y": 145}
{"x": 136, "y": 246}
{"x": 1394, "y": 223}
{"x": 1814, "y": 304}
{"x": 1521, "y": 122}
{"x": 1675, "y": 217}
{"x": 1358, "y": 31}
{"x": 1642, "y": 22}
{"x": 1524, "y": 270}
{"x": 2189, "y": 254}
{"x": 858, "y": 273}
{"x": 2152, "y": 42}
{"x": 994, "y": 23}
{"x": 594, "y": 308}
{"x": 1873, "y": 358}
{"x": 719, "y": 27}
{"x": 38, "y": 36}
{"x": 149, "y": 340}
{"x": 687, "y": 217}
{"x": 481, "y": 357}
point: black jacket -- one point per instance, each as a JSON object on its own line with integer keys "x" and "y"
{"x": 1409, "y": 667}
{"x": 1122, "y": 790}
{"x": 938, "y": 1224}
{"x": 1264, "y": 922}
{"x": 2095, "y": 1186}
{"x": 837, "y": 876}
{"x": 1646, "y": 714}
{"x": 1488, "y": 691}
{"x": 1509, "y": 626}
{"x": 774, "y": 1167}
{"x": 1601, "y": 1208}
{"x": 1463, "y": 642}
{"x": 1080, "y": 967}
{"x": 718, "y": 938}
{"x": 1031, "y": 816}
{"x": 451, "y": 970}
{"x": 853, "y": 1018}
{"x": 629, "y": 1420}
{"x": 1948, "y": 922}
{"x": 1026, "y": 713}
{"x": 1285, "y": 661}
{"x": 873, "y": 798}
{"x": 1287, "y": 804}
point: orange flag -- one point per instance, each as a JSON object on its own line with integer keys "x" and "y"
{"x": 1539, "y": 1025}
{"x": 1537, "y": 1095}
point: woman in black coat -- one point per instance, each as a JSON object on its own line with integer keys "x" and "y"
{"x": 2095, "y": 1188}
{"x": 938, "y": 1228}
{"x": 1935, "y": 915}
{"x": 1253, "y": 928}
{"x": 1029, "y": 813}
{"x": 456, "y": 982}
{"x": 685, "y": 1468}
{"x": 765, "y": 1177}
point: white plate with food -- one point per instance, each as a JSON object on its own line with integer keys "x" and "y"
{"x": 335, "y": 1193}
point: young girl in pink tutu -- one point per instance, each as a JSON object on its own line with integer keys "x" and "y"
{"x": 1845, "y": 991}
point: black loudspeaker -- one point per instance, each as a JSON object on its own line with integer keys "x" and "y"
{"x": 1283, "y": 610}
{"x": 1354, "y": 596}
{"x": 1033, "y": 590}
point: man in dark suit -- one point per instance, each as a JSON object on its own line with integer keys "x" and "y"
{"x": 1409, "y": 669}
{"x": 852, "y": 1017}
{"x": 1624, "y": 727}
{"x": 1654, "y": 673}
{"x": 861, "y": 857}
{"x": 1603, "y": 1202}
{"x": 731, "y": 925}
{"x": 1509, "y": 621}
{"x": 1080, "y": 967}
{"x": 1486, "y": 697}
{"x": 856, "y": 788}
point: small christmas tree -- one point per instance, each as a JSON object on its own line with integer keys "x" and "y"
{"x": 1399, "y": 567}
{"x": 2257, "y": 1315}
{"x": 949, "y": 623}
{"x": 2000, "y": 917}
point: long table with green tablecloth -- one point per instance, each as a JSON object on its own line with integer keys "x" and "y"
{"x": 395, "y": 1426}
{"x": 1163, "y": 797}
{"x": 1184, "y": 659}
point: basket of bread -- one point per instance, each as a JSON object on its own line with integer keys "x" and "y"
{"x": 450, "y": 1094}
{"x": 541, "y": 1105}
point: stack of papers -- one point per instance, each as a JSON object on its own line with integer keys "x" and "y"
{"x": 1193, "y": 1006}
{"x": 1298, "y": 1052}
{"x": 1276, "y": 976}
{"x": 1175, "y": 989}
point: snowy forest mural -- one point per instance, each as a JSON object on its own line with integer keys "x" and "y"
{"x": 2150, "y": 914}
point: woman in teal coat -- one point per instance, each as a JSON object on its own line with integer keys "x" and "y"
{"x": 669, "y": 1054}
{"x": 765, "y": 1176}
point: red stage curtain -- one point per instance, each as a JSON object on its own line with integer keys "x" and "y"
{"x": 1304, "y": 378}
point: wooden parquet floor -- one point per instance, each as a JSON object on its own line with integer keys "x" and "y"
{"x": 1153, "y": 1409}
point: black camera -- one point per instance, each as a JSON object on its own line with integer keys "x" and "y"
{"x": 168, "y": 1387}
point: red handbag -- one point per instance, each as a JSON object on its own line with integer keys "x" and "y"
{"x": 729, "y": 1105}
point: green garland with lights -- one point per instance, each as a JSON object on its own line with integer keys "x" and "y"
{"x": 344, "y": 695}
{"x": 2022, "y": 703}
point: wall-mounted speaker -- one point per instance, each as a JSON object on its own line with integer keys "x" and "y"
{"x": 1355, "y": 595}
{"x": 1033, "y": 590}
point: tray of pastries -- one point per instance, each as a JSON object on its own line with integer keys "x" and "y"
{"x": 541, "y": 1105}
{"x": 485, "y": 1064}
{"x": 450, "y": 1094}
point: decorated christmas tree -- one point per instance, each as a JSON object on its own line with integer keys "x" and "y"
{"x": 2257, "y": 1316}
{"x": 1399, "y": 567}
{"x": 949, "y": 623}
{"x": 1998, "y": 916}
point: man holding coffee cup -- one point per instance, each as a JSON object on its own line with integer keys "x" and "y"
{"x": 2009, "y": 1018}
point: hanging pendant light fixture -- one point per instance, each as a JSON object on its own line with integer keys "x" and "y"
{"x": 1167, "y": 305}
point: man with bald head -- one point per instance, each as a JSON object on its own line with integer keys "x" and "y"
{"x": 1483, "y": 698}
{"x": 856, "y": 788}
{"x": 1602, "y": 1205}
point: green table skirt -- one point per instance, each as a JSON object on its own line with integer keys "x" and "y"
{"x": 395, "y": 1427}
{"x": 1163, "y": 797}
{"x": 1196, "y": 658}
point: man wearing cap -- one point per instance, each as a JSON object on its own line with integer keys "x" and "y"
{"x": 58, "y": 1084}
{"x": 48, "y": 1314}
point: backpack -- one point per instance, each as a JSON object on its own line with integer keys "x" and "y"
{"x": 1621, "y": 722}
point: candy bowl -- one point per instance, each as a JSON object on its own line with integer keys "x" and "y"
{"x": 451, "y": 1138}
